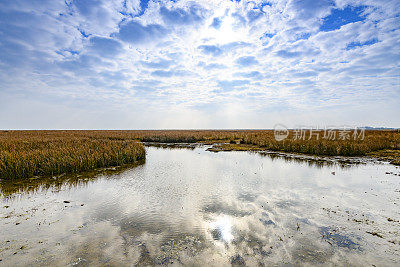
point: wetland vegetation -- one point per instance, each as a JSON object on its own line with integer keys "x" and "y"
{"x": 38, "y": 153}
{"x": 25, "y": 154}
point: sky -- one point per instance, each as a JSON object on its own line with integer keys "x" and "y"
{"x": 158, "y": 64}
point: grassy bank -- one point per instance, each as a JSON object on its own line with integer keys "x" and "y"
{"x": 35, "y": 153}
{"x": 345, "y": 145}
{"x": 27, "y": 154}
{"x": 372, "y": 141}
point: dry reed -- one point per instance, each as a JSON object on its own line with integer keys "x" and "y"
{"x": 27, "y": 154}
{"x": 30, "y": 153}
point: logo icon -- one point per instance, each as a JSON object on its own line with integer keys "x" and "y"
{"x": 281, "y": 132}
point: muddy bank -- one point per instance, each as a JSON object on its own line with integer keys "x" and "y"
{"x": 390, "y": 156}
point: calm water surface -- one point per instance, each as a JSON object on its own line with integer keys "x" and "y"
{"x": 193, "y": 207}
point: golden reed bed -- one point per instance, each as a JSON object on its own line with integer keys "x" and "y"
{"x": 28, "y": 153}
{"x": 35, "y": 153}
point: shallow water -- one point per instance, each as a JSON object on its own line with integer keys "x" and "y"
{"x": 193, "y": 207}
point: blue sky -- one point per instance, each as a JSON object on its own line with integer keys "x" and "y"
{"x": 130, "y": 64}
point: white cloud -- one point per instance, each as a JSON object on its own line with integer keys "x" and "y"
{"x": 198, "y": 59}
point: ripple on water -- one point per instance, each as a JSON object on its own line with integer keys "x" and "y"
{"x": 193, "y": 207}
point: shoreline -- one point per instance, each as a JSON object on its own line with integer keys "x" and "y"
{"x": 40, "y": 153}
{"x": 382, "y": 156}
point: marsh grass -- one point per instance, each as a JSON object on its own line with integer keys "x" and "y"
{"x": 374, "y": 140}
{"x": 37, "y": 153}
{"x": 27, "y": 154}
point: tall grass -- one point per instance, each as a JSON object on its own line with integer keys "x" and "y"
{"x": 27, "y": 154}
{"x": 373, "y": 141}
{"x": 30, "y": 153}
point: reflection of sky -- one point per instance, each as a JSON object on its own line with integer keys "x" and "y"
{"x": 202, "y": 207}
{"x": 223, "y": 228}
